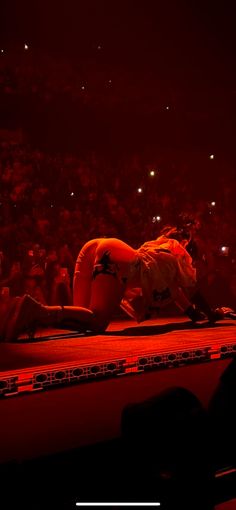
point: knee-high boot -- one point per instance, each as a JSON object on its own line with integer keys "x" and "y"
{"x": 26, "y": 314}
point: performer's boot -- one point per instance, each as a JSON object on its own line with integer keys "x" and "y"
{"x": 194, "y": 314}
{"x": 27, "y": 314}
{"x": 212, "y": 315}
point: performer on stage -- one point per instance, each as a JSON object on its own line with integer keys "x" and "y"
{"x": 185, "y": 235}
{"x": 109, "y": 273}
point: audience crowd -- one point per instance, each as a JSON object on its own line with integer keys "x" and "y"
{"x": 52, "y": 202}
{"x": 51, "y": 205}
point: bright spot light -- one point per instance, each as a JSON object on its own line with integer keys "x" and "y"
{"x": 212, "y": 156}
{"x": 99, "y": 47}
{"x": 83, "y": 87}
{"x": 140, "y": 190}
{"x": 213, "y": 204}
{"x": 51, "y": 205}
{"x": 156, "y": 219}
{"x": 109, "y": 81}
{"x": 152, "y": 173}
{"x": 224, "y": 250}
{"x": 2, "y": 51}
{"x": 72, "y": 194}
{"x": 26, "y": 47}
{"x": 167, "y": 107}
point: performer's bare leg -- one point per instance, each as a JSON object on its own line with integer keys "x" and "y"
{"x": 98, "y": 289}
{"x": 99, "y": 282}
{"x": 82, "y": 280}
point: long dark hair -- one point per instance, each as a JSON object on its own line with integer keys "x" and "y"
{"x": 174, "y": 232}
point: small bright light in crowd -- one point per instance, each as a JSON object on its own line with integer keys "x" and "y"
{"x": 152, "y": 173}
{"x": 26, "y": 47}
{"x": 167, "y": 107}
{"x": 224, "y": 250}
{"x": 212, "y": 156}
{"x": 51, "y": 205}
{"x": 72, "y": 194}
{"x": 2, "y": 51}
{"x": 140, "y": 190}
{"x": 213, "y": 204}
{"x": 83, "y": 87}
{"x": 99, "y": 47}
{"x": 109, "y": 81}
{"x": 156, "y": 219}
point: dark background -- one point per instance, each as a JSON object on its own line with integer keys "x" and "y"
{"x": 156, "y": 54}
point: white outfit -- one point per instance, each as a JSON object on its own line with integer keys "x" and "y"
{"x": 162, "y": 264}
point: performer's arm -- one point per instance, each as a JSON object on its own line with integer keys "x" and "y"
{"x": 182, "y": 301}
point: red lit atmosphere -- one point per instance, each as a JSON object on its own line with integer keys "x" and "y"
{"x": 117, "y": 254}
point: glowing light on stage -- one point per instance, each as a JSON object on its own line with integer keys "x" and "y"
{"x": 152, "y": 173}
{"x": 167, "y": 107}
{"x": 212, "y": 156}
{"x": 213, "y": 204}
{"x": 2, "y": 51}
{"x": 72, "y": 194}
{"x": 83, "y": 87}
{"x": 99, "y": 47}
{"x": 110, "y": 82}
{"x": 26, "y": 47}
{"x": 52, "y": 205}
{"x": 140, "y": 190}
{"x": 156, "y": 219}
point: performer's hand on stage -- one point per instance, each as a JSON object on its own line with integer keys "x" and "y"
{"x": 225, "y": 311}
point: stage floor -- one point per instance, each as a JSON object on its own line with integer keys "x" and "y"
{"x": 66, "y": 390}
{"x": 123, "y": 339}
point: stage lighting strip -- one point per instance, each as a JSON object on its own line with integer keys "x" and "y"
{"x": 51, "y": 376}
{"x": 194, "y": 355}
